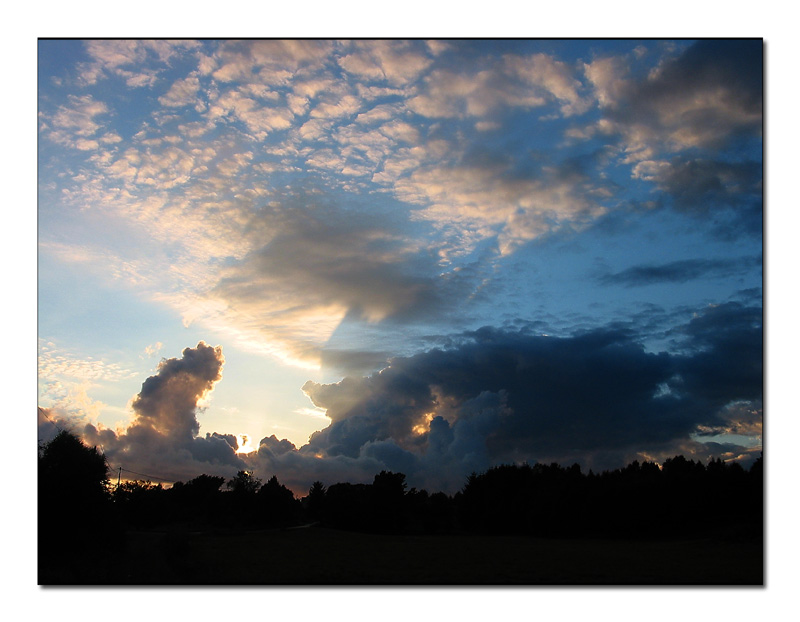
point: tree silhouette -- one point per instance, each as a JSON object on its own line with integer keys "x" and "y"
{"x": 388, "y": 496}
{"x": 277, "y": 504}
{"x": 73, "y": 509}
{"x": 316, "y": 500}
{"x": 141, "y": 504}
{"x": 244, "y": 483}
{"x": 70, "y": 470}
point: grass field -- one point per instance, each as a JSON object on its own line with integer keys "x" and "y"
{"x": 319, "y": 556}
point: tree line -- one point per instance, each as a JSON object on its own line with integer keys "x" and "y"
{"x": 78, "y": 504}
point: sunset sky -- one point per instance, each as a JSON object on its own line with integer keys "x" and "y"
{"x": 322, "y": 259}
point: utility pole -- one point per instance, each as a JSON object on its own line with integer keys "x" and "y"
{"x": 119, "y": 476}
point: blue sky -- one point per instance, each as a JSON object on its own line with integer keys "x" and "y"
{"x": 426, "y": 256}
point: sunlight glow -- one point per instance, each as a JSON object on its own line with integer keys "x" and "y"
{"x": 244, "y": 444}
{"x": 424, "y": 426}
{"x": 316, "y": 412}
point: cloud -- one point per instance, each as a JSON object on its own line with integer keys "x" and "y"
{"x": 680, "y": 271}
{"x": 163, "y": 439}
{"x": 55, "y": 362}
{"x": 109, "y": 57}
{"x": 609, "y": 77}
{"x": 730, "y": 194}
{"x": 397, "y": 62}
{"x": 183, "y": 92}
{"x": 707, "y": 97}
{"x": 724, "y": 362}
{"x": 598, "y": 398}
{"x": 274, "y": 446}
{"x": 490, "y": 195}
{"x": 268, "y": 62}
{"x": 168, "y": 401}
{"x": 318, "y": 265}
{"x": 73, "y": 124}
{"x": 153, "y": 349}
{"x": 259, "y": 116}
{"x": 554, "y": 77}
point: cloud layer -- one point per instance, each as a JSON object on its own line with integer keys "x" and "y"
{"x": 259, "y": 171}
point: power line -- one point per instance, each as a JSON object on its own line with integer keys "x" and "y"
{"x": 164, "y": 479}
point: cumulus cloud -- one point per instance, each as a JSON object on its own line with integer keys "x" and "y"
{"x": 168, "y": 400}
{"x": 274, "y": 446}
{"x": 596, "y": 398}
{"x": 163, "y": 439}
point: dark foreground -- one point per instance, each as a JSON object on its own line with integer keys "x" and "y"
{"x": 321, "y": 556}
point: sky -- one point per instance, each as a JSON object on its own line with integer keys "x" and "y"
{"x": 322, "y": 259}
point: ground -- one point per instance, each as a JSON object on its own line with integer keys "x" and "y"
{"x": 320, "y": 556}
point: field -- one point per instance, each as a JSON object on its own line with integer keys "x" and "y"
{"x": 319, "y": 556}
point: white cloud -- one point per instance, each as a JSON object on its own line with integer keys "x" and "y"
{"x": 397, "y": 62}
{"x": 553, "y": 76}
{"x": 183, "y": 92}
{"x": 470, "y": 203}
{"x": 109, "y": 56}
{"x": 514, "y": 82}
{"x": 152, "y": 350}
{"x": 56, "y": 363}
{"x": 73, "y": 124}
{"x": 608, "y": 76}
{"x": 270, "y": 61}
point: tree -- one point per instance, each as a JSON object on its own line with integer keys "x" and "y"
{"x": 244, "y": 483}
{"x": 388, "y": 496}
{"x": 73, "y": 511}
{"x": 316, "y": 500}
{"x": 277, "y": 502}
{"x": 72, "y": 476}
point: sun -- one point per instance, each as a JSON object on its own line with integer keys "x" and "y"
{"x": 244, "y": 444}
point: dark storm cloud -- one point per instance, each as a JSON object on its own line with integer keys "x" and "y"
{"x": 725, "y": 360}
{"x": 680, "y": 271}
{"x": 500, "y": 396}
